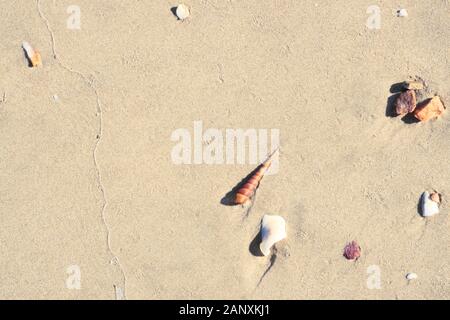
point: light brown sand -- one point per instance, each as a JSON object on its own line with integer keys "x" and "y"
{"x": 317, "y": 73}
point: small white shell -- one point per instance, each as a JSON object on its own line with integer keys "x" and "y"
{"x": 273, "y": 229}
{"x": 182, "y": 11}
{"x": 33, "y": 55}
{"x": 402, "y": 13}
{"x": 411, "y": 276}
{"x": 428, "y": 206}
{"x": 28, "y": 49}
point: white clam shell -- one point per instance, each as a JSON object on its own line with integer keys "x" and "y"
{"x": 428, "y": 206}
{"x": 182, "y": 11}
{"x": 273, "y": 229}
{"x": 28, "y": 49}
{"x": 411, "y": 276}
{"x": 402, "y": 13}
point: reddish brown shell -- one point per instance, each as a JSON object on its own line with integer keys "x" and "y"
{"x": 352, "y": 251}
{"x": 249, "y": 187}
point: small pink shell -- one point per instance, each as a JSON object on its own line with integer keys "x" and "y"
{"x": 352, "y": 251}
{"x": 436, "y": 197}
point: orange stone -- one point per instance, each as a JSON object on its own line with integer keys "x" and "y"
{"x": 429, "y": 109}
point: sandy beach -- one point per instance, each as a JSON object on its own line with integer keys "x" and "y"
{"x": 94, "y": 206}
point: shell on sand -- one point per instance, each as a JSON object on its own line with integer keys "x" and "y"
{"x": 352, "y": 251}
{"x": 32, "y": 55}
{"x": 273, "y": 229}
{"x": 411, "y": 276}
{"x": 428, "y": 206}
{"x": 248, "y": 189}
{"x": 402, "y": 13}
{"x": 182, "y": 11}
{"x": 413, "y": 85}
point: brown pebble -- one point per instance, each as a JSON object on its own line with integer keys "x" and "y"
{"x": 429, "y": 109}
{"x": 406, "y": 102}
{"x": 412, "y": 85}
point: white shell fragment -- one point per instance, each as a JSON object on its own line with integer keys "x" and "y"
{"x": 33, "y": 56}
{"x": 28, "y": 48}
{"x": 428, "y": 206}
{"x": 273, "y": 229}
{"x": 182, "y": 11}
{"x": 411, "y": 276}
{"x": 402, "y": 13}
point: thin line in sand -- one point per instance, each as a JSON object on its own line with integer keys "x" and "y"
{"x": 115, "y": 260}
{"x": 272, "y": 261}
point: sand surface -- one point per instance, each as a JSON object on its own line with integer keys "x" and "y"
{"x": 87, "y": 179}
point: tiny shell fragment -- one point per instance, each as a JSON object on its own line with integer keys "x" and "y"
{"x": 428, "y": 206}
{"x": 406, "y": 102}
{"x": 182, "y": 11}
{"x": 411, "y": 276}
{"x": 33, "y": 56}
{"x": 412, "y": 85}
{"x": 435, "y": 197}
{"x": 402, "y": 13}
{"x": 352, "y": 251}
{"x": 429, "y": 109}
